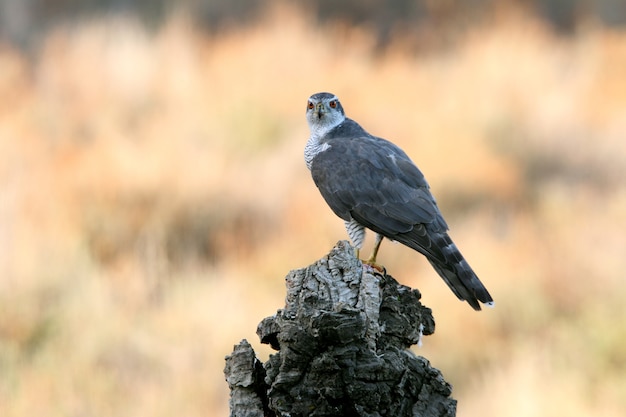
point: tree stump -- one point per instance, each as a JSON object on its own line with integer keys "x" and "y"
{"x": 342, "y": 342}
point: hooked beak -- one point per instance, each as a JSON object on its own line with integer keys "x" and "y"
{"x": 320, "y": 110}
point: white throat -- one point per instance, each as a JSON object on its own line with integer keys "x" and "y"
{"x": 319, "y": 129}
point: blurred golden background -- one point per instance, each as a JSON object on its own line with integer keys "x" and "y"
{"x": 153, "y": 193}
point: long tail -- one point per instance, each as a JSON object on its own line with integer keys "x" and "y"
{"x": 449, "y": 263}
{"x": 464, "y": 283}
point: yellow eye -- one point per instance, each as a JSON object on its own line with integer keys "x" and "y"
{"x": 310, "y": 106}
{"x": 333, "y": 104}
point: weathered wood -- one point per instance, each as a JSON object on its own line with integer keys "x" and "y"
{"x": 342, "y": 342}
{"x": 245, "y": 376}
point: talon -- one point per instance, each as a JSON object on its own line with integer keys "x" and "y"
{"x": 381, "y": 269}
{"x": 371, "y": 261}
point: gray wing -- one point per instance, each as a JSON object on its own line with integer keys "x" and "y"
{"x": 374, "y": 182}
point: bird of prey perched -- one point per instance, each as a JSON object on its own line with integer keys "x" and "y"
{"x": 372, "y": 184}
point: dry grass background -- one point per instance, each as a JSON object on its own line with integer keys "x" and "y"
{"x": 154, "y": 195}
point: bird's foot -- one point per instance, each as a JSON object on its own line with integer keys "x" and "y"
{"x": 370, "y": 262}
{"x": 373, "y": 265}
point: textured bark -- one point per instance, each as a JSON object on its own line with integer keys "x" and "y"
{"x": 342, "y": 342}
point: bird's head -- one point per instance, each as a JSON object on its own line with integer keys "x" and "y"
{"x": 324, "y": 112}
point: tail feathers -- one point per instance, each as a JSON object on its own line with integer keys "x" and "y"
{"x": 464, "y": 283}
{"x": 450, "y": 264}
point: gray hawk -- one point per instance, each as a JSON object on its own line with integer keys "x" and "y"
{"x": 372, "y": 184}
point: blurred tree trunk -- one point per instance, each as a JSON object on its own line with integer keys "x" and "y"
{"x": 342, "y": 342}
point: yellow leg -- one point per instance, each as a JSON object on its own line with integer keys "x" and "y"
{"x": 372, "y": 259}
{"x": 377, "y": 242}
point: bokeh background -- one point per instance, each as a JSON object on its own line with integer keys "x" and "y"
{"x": 153, "y": 193}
